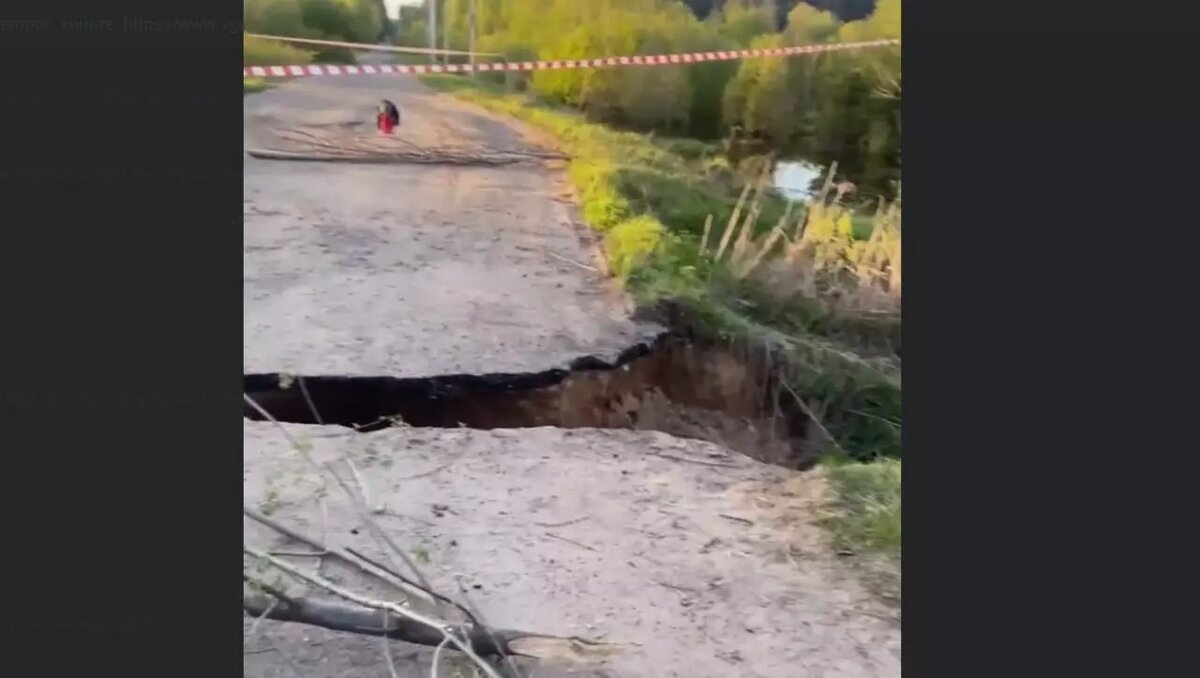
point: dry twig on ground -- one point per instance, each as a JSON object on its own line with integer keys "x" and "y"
{"x": 388, "y": 619}
{"x": 317, "y": 147}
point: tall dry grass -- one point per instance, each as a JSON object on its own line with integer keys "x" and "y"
{"x": 812, "y": 252}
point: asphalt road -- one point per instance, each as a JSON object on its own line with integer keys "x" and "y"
{"x": 413, "y": 270}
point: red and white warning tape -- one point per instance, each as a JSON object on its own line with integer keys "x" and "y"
{"x": 656, "y": 59}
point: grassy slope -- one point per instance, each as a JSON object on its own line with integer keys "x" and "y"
{"x": 650, "y": 198}
{"x": 865, "y": 518}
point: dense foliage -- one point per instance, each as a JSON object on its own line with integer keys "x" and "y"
{"x": 344, "y": 20}
{"x": 843, "y": 107}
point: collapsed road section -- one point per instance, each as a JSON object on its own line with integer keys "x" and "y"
{"x": 717, "y": 393}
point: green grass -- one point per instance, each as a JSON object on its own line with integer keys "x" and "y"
{"x": 867, "y": 512}
{"x": 865, "y": 518}
{"x": 251, "y": 85}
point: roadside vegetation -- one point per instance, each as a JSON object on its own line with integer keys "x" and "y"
{"x": 361, "y": 21}
{"x": 842, "y": 107}
{"x": 259, "y": 52}
{"x": 864, "y": 519}
{"x": 252, "y": 85}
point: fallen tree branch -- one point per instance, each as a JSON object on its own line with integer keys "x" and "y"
{"x": 448, "y": 631}
{"x": 363, "y": 621}
{"x": 486, "y": 641}
{"x": 367, "y": 567}
{"x": 405, "y": 158}
{"x": 714, "y": 464}
{"x": 389, "y": 545}
{"x": 313, "y": 146}
{"x": 449, "y": 601}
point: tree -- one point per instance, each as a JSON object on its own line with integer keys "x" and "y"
{"x": 348, "y": 20}
{"x": 842, "y": 106}
{"x": 844, "y": 10}
{"x": 275, "y": 17}
{"x": 743, "y": 23}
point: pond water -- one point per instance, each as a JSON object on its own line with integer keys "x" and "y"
{"x": 795, "y": 179}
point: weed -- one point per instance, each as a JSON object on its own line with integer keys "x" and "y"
{"x": 864, "y": 519}
{"x": 421, "y": 555}
{"x": 866, "y": 513}
{"x": 271, "y": 502}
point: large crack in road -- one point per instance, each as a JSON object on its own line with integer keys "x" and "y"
{"x": 697, "y": 560}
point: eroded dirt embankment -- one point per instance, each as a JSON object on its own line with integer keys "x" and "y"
{"x": 719, "y": 393}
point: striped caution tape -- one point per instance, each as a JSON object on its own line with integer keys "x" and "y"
{"x": 649, "y": 60}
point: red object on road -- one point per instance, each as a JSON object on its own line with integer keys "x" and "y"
{"x": 385, "y": 123}
{"x": 388, "y": 117}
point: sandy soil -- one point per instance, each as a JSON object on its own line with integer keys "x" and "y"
{"x": 406, "y": 270}
{"x": 693, "y": 570}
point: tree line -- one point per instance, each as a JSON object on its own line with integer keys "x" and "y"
{"x": 842, "y": 107}
{"x": 362, "y": 21}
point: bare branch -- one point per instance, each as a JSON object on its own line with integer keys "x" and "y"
{"x": 813, "y": 417}
{"x": 434, "y": 624}
{"x": 373, "y": 622}
{"x": 429, "y": 472}
{"x": 345, "y": 556}
{"x": 391, "y": 547}
{"x": 449, "y": 601}
{"x": 366, "y": 621}
{"x": 258, "y": 618}
{"x": 308, "y": 399}
{"x": 477, "y": 616}
{"x": 714, "y": 464}
{"x": 571, "y": 541}
{"x": 364, "y": 511}
{"x": 564, "y": 523}
{"x": 387, "y": 646}
{"x": 437, "y": 658}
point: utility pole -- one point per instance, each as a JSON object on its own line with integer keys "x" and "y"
{"x": 431, "y": 6}
{"x": 445, "y": 36}
{"x": 471, "y": 48}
